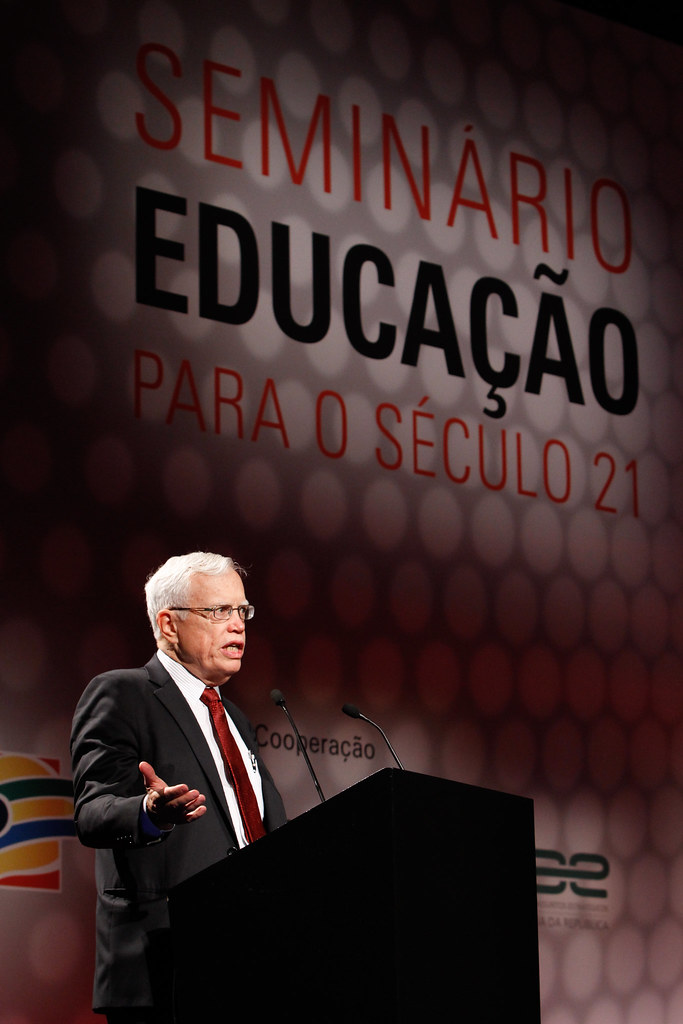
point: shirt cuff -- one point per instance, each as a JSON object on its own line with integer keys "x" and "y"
{"x": 147, "y": 827}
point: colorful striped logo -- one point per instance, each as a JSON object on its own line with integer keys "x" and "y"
{"x": 36, "y": 811}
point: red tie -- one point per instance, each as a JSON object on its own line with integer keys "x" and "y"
{"x": 234, "y": 766}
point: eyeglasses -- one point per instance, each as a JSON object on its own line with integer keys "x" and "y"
{"x": 221, "y": 612}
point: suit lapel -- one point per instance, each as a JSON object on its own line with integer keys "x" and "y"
{"x": 274, "y": 811}
{"x": 237, "y": 717}
{"x": 168, "y": 694}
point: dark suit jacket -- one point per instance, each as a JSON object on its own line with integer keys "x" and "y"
{"x": 122, "y": 718}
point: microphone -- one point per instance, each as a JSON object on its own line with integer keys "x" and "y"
{"x": 352, "y": 711}
{"x": 277, "y": 697}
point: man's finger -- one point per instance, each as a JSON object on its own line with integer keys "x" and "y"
{"x": 174, "y": 793}
{"x": 197, "y": 813}
{"x": 152, "y": 780}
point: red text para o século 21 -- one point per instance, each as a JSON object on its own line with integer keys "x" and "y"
{"x": 430, "y": 445}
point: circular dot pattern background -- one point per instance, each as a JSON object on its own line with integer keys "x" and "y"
{"x": 503, "y": 637}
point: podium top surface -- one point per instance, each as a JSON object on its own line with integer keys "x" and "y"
{"x": 408, "y": 820}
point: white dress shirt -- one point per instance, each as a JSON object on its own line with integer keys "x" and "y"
{"x": 192, "y": 689}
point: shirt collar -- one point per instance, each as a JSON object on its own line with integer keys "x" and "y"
{"x": 189, "y": 684}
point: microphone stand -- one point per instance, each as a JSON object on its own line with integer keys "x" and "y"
{"x": 278, "y": 698}
{"x": 352, "y": 711}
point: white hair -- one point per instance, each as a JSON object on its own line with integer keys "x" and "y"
{"x": 170, "y": 583}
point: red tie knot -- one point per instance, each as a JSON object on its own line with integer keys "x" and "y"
{"x": 210, "y": 696}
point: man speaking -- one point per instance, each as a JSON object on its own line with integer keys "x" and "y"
{"x": 167, "y": 777}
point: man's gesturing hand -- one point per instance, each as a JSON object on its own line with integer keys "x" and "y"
{"x": 170, "y": 805}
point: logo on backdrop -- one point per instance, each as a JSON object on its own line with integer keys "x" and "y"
{"x": 36, "y": 811}
{"x": 571, "y": 890}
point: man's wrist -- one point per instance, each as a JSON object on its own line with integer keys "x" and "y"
{"x": 150, "y": 826}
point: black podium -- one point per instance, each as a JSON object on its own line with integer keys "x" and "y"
{"x": 404, "y": 898}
